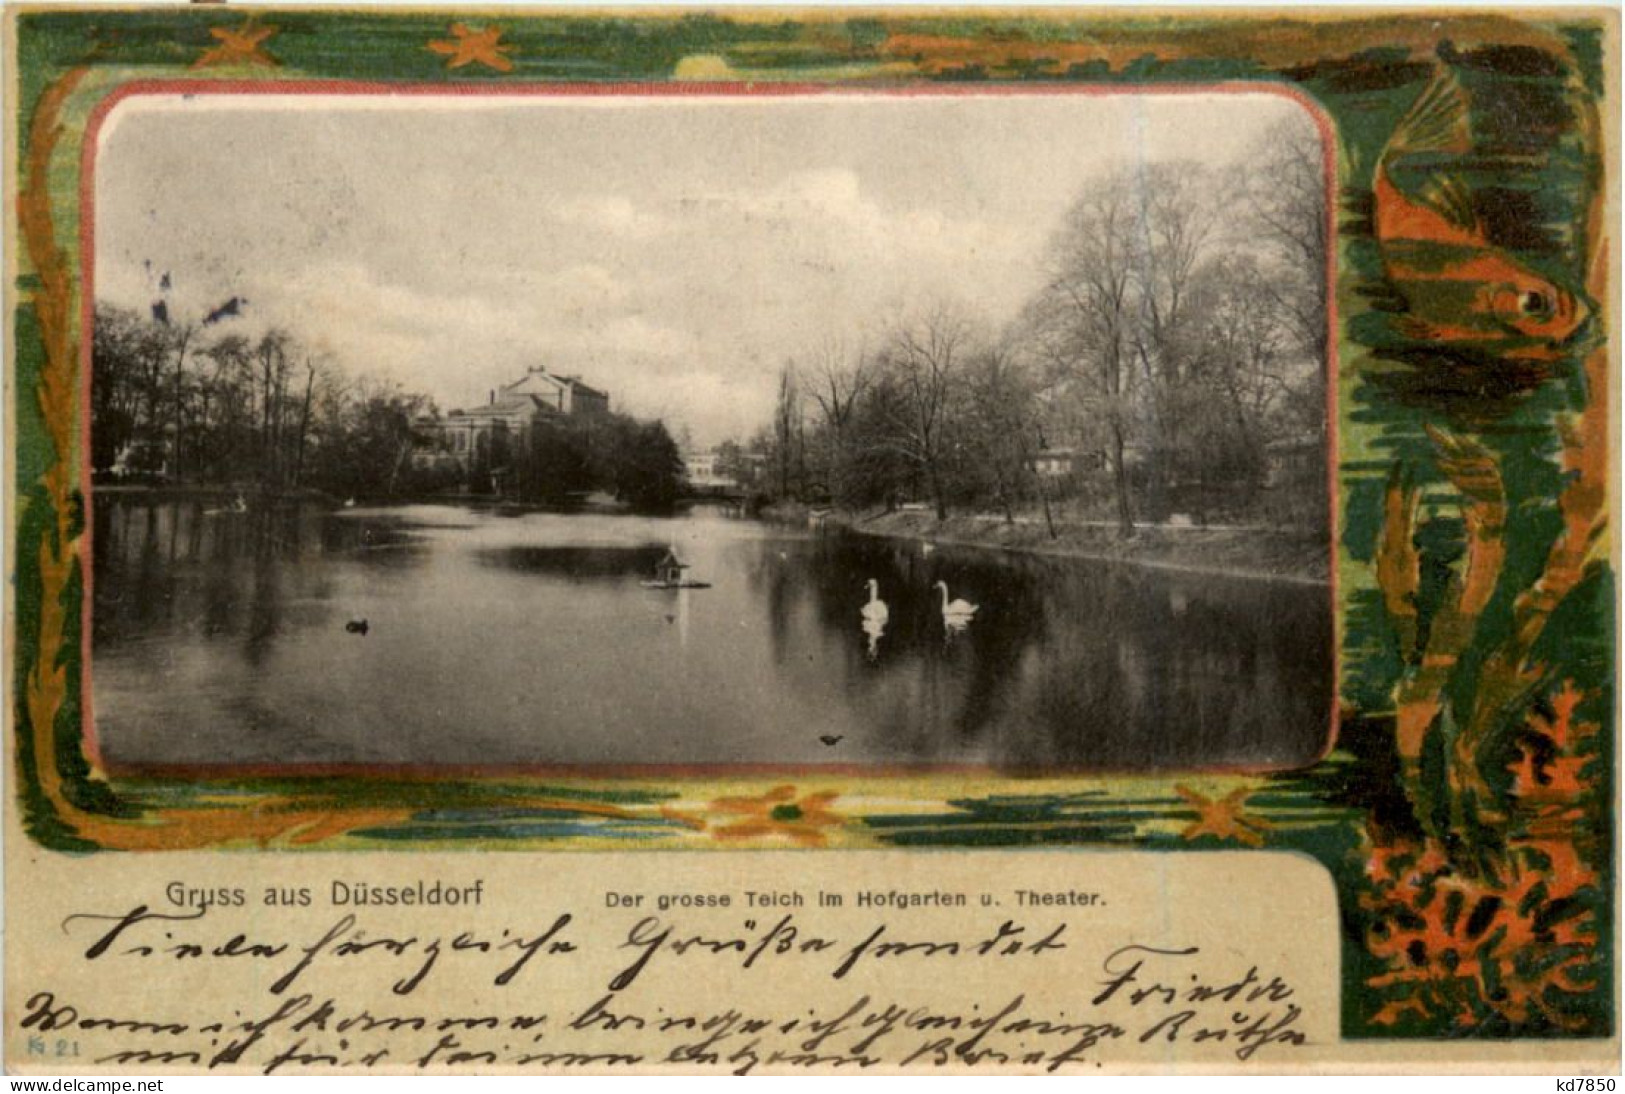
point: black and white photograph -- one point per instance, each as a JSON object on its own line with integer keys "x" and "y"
{"x": 716, "y": 431}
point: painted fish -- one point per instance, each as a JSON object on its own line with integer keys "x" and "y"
{"x": 1460, "y": 289}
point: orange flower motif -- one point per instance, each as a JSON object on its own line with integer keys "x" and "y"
{"x": 1558, "y": 777}
{"x": 1224, "y": 818}
{"x": 468, "y": 47}
{"x": 778, "y": 813}
{"x": 1520, "y": 946}
{"x": 237, "y": 47}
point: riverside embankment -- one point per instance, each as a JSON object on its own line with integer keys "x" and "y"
{"x": 1231, "y": 550}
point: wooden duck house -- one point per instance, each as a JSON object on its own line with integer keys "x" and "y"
{"x": 669, "y": 570}
{"x": 669, "y": 574}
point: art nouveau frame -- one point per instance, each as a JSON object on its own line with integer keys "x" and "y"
{"x": 1463, "y": 759}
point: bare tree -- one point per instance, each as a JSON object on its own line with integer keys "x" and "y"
{"x": 304, "y": 420}
{"x": 182, "y": 335}
{"x": 786, "y": 423}
{"x": 1245, "y": 342}
{"x": 229, "y": 389}
{"x": 1177, "y": 218}
{"x": 271, "y": 356}
{"x": 838, "y": 379}
{"x": 1181, "y": 308}
{"x": 1083, "y": 320}
{"x": 925, "y": 359}
{"x": 1284, "y": 195}
{"x": 1001, "y": 410}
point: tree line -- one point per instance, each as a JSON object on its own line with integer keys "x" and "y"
{"x": 190, "y": 403}
{"x": 560, "y": 458}
{"x": 1171, "y": 362}
{"x": 179, "y": 402}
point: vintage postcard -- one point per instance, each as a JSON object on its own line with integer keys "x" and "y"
{"x": 771, "y": 541}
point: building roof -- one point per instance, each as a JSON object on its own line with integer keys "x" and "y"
{"x": 534, "y": 380}
{"x": 538, "y": 378}
{"x": 587, "y": 389}
{"x": 535, "y": 393}
{"x": 506, "y": 406}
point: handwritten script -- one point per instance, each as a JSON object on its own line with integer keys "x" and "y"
{"x": 568, "y": 991}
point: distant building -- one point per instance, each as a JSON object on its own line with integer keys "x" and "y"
{"x": 751, "y": 469}
{"x": 725, "y": 468}
{"x": 700, "y": 469}
{"x": 464, "y": 435}
{"x": 145, "y": 456}
{"x": 1063, "y": 461}
{"x": 1294, "y": 459}
{"x": 566, "y": 394}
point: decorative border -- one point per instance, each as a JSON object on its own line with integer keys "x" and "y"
{"x": 1464, "y": 810}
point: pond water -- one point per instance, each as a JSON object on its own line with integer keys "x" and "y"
{"x": 527, "y": 639}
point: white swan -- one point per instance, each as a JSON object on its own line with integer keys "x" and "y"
{"x": 956, "y": 613}
{"x": 876, "y": 609}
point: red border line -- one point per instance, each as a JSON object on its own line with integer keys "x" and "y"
{"x": 681, "y": 90}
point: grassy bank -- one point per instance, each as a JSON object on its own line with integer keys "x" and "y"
{"x": 1258, "y": 553}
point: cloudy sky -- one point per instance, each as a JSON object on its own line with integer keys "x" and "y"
{"x": 673, "y": 251}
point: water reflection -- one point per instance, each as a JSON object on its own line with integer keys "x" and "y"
{"x": 577, "y": 564}
{"x": 875, "y": 614}
{"x": 220, "y": 637}
{"x": 875, "y": 628}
